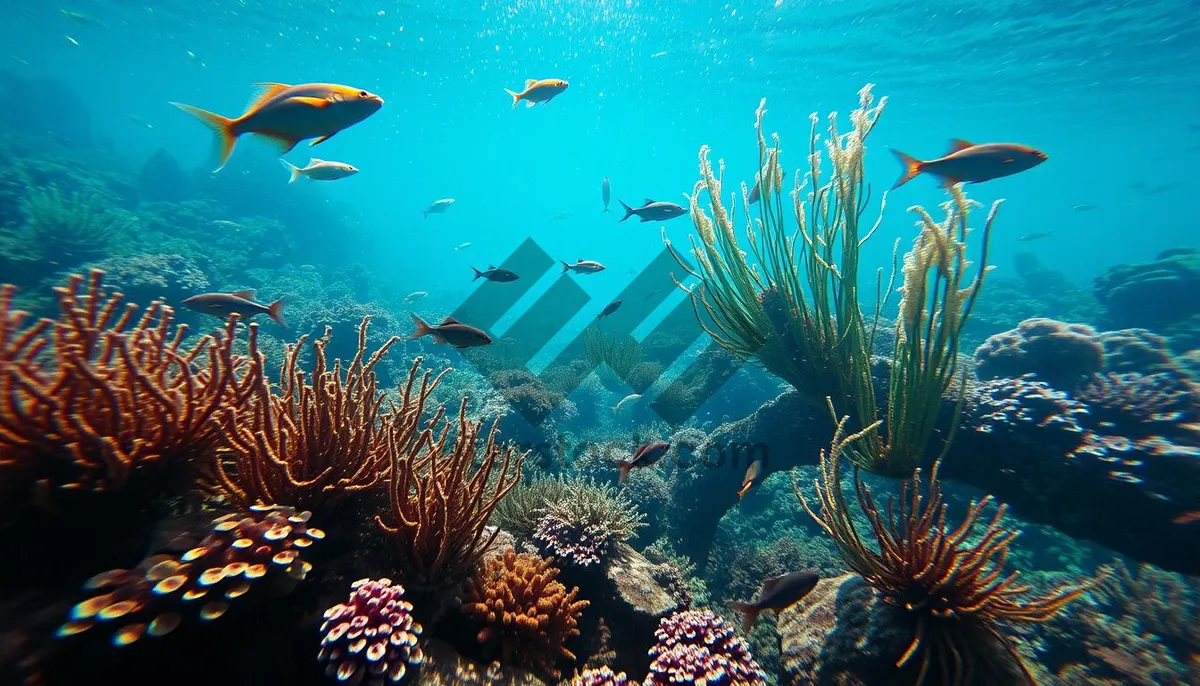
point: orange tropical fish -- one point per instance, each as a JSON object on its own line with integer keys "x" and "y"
{"x": 971, "y": 163}
{"x": 287, "y": 114}
{"x": 538, "y": 90}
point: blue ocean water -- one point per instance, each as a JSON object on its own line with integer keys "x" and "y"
{"x": 1109, "y": 90}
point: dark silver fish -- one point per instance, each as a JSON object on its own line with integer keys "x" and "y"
{"x": 242, "y": 302}
{"x": 606, "y": 193}
{"x": 777, "y": 593}
{"x": 754, "y": 193}
{"x": 609, "y": 309}
{"x": 653, "y": 211}
{"x": 582, "y": 267}
{"x": 451, "y": 331}
{"x": 493, "y": 273}
{"x": 646, "y": 455}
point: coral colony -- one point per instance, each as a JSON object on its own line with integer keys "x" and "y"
{"x": 697, "y": 647}
{"x": 371, "y": 638}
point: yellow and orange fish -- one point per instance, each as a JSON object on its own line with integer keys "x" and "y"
{"x": 971, "y": 163}
{"x": 538, "y": 90}
{"x": 287, "y": 114}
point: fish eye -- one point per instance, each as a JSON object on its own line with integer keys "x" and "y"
{"x": 363, "y": 94}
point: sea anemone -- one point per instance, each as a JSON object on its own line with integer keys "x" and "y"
{"x": 371, "y": 636}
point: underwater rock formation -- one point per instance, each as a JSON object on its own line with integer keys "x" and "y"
{"x": 1153, "y": 294}
{"x": 161, "y": 179}
{"x": 56, "y": 111}
{"x": 1065, "y": 355}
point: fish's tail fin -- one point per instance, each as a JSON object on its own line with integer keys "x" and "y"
{"x": 292, "y": 169}
{"x": 912, "y": 167}
{"x": 222, "y": 127}
{"x": 624, "y": 466}
{"x": 566, "y": 267}
{"x": 515, "y": 96}
{"x": 275, "y": 312}
{"x": 749, "y": 616}
{"x": 422, "y": 328}
{"x": 744, "y": 489}
{"x": 628, "y": 210}
{"x": 477, "y": 274}
{"x": 606, "y": 209}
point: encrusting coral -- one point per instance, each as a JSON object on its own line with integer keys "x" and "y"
{"x": 99, "y": 399}
{"x": 316, "y": 440}
{"x": 951, "y": 580}
{"x": 525, "y": 614}
{"x": 236, "y": 553}
{"x": 372, "y": 636}
{"x": 440, "y": 495}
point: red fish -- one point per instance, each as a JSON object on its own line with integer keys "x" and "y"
{"x": 289, "y": 114}
{"x": 644, "y": 456}
{"x": 777, "y": 593}
{"x": 970, "y": 163}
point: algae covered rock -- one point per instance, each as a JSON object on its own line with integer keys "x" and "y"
{"x": 1153, "y": 294}
{"x": 1062, "y": 354}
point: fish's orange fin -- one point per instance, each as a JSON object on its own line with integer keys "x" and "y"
{"x": 322, "y": 139}
{"x": 912, "y": 167}
{"x": 222, "y": 127}
{"x": 275, "y": 312}
{"x": 280, "y": 142}
{"x": 744, "y": 489}
{"x": 625, "y": 466}
{"x": 529, "y": 82}
{"x": 247, "y": 294}
{"x": 422, "y": 327}
{"x": 264, "y": 91}
{"x": 515, "y": 96}
{"x": 321, "y": 103}
{"x": 749, "y": 616}
{"x": 957, "y": 144}
{"x": 948, "y": 182}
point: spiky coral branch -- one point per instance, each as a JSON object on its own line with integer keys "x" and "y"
{"x": 441, "y": 496}
{"x": 98, "y": 396}
{"x": 951, "y": 580}
{"x": 314, "y": 441}
{"x": 794, "y": 307}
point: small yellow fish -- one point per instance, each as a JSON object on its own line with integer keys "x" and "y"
{"x": 538, "y": 90}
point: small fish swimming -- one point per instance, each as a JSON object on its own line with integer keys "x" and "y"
{"x": 451, "y": 331}
{"x": 461, "y": 246}
{"x": 609, "y": 309}
{"x": 319, "y": 170}
{"x": 138, "y": 120}
{"x": 582, "y": 267}
{"x": 606, "y": 193}
{"x": 754, "y": 192}
{"x": 1084, "y": 207}
{"x": 631, "y": 398}
{"x": 222, "y": 305}
{"x": 754, "y": 476}
{"x": 438, "y": 207}
{"x": 82, "y": 18}
{"x": 646, "y": 455}
{"x": 415, "y": 296}
{"x": 226, "y": 224}
{"x": 653, "y": 211}
{"x": 970, "y": 163}
{"x": 286, "y": 115}
{"x": 777, "y": 593}
{"x": 559, "y": 216}
{"x": 1036, "y": 235}
{"x": 538, "y": 90}
{"x": 493, "y": 273}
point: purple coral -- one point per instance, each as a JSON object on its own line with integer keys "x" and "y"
{"x": 235, "y": 553}
{"x": 578, "y": 543}
{"x": 697, "y": 646}
{"x": 600, "y": 677}
{"x": 371, "y": 636}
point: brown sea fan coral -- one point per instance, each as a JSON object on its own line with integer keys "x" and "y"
{"x": 95, "y": 399}
{"x": 951, "y": 580}
{"x": 525, "y": 614}
{"x": 317, "y": 439}
{"x": 441, "y": 492}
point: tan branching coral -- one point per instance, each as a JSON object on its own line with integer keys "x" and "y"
{"x": 317, "y": 439}
{"x": 442, "y": 488}
{"x": 525, "y": 614}
{"x": 99, "y": 397}
{"x": 949, "y": 578}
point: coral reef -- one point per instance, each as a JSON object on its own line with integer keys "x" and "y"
{"x": 602, "y": 676}
{"x": 1064, "y": 355}
{"x": 66, "y": 231}
{"x": 584, "y": 521}
{"x": 372, "y": 637}
{"x": 696, "y": 646}
{"x": 238, "y": 554}
{"x": 1154, "y": 294}
{"x": 1117, "y": 398}
{"x": 524, "y": 614}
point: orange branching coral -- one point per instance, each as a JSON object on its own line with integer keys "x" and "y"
{"x": 95, "y": 399}
{"x": 951, "y": 580}
{"x": 313, "y": 441}
{"x": 526, "y": 615}
{"x": 440, "y": 500}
